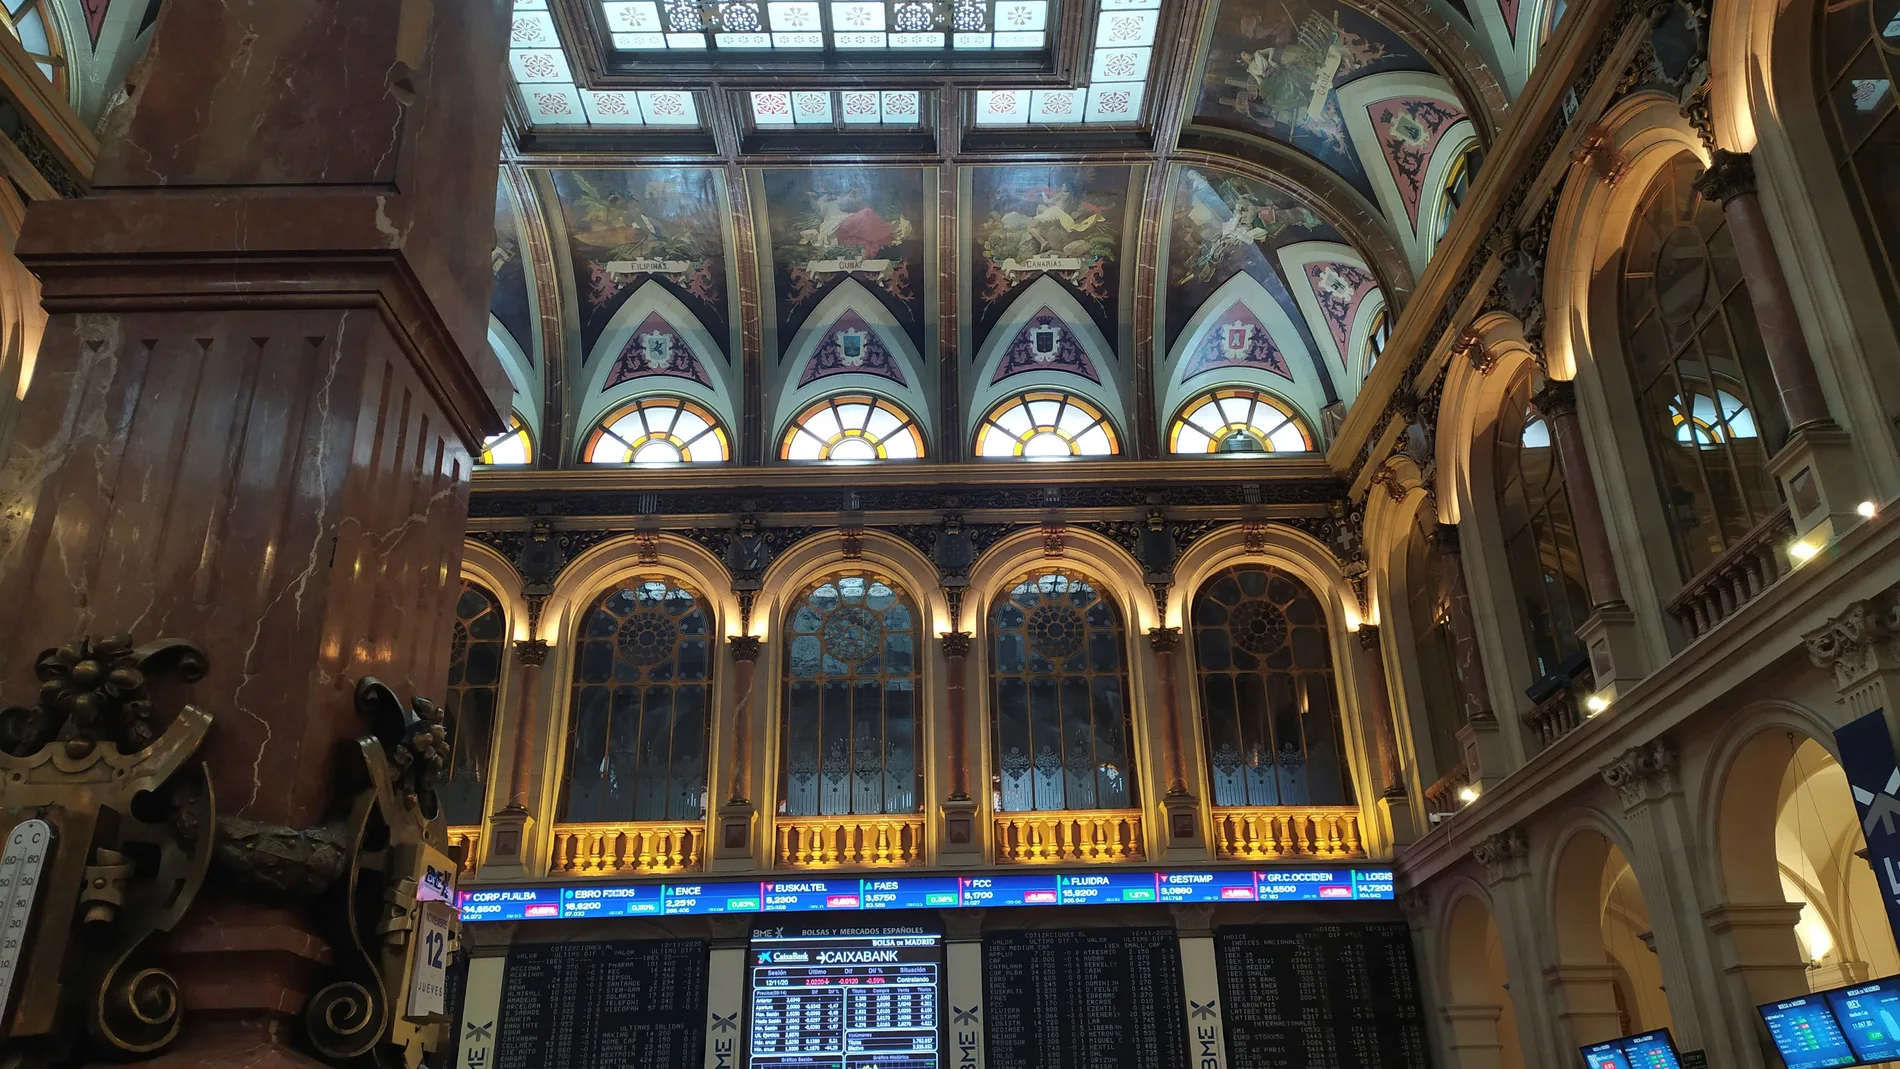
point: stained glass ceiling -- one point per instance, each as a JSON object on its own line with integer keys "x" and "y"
{"x": 837, "y": 25}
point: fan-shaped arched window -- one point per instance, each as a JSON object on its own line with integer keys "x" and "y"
{"x": 512, "y": 446}
{"x": 1540, "y": 538}
{"x": 1238, "y": 422}
{"x": 658, "y": 430}
{"x": 1059, "y": 674}
{"x": 853, "y": 427}
{"x": 1046, "y": 424}
{"x": 1858, "y": 67}
{"x": 479, "y": 642}
{"x": 1691, "y": 333}
{"x": 34, "y": 25}
{"x": 1457, "y": 187}
{"x": 1434, "y": 646}
{"x": 1269, "y": 709}
{"x": 849, "y": 733}
{"x": 1377, "y": 336}
{"x": 636, "y": 735}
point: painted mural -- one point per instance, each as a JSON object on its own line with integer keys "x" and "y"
{"x": 851, "y": 347}
{"x": 1238, "y": 338}
{"x": 830, "y": 225}
{"x": 1275, "y": 69}
{"x": 1339, "y": 289}
{"x": 1064, "y": 222}
{"x": 510, "y": 300}
{"x": 1409, "y": 129}
{"x": 1045, "y": 343}
{"x": 656, "y": 349}
{"x": 625, "y": 227}
{"x": 1223, "y": 224}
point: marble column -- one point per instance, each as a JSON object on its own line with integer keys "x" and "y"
{"x": 1558, "y": 403}
{"x": 1163, "y": 640}
{"x": 264, "y": 372}
{"x": 745, "y": 670}
{"x": 1379, "y": 710}
{"x": 1464, "y": 629}
{"x": 508, "y": 828}
{"x": 956, "y": 652}
{"x": 1730, "y": 179}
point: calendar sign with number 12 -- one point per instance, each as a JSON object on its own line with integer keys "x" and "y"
{"x": 428, "y": 973}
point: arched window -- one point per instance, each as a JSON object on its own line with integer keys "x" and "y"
{"x": 852, "y": 427}
{"x": 849, "y": 733}
{"x": 1434, "y": 647}
{"x": 1859, "y": 72}
{"x": 1457, "y": 187}
{"x": 636, "y": 736}
{"x": 1268, "y": 705}
{"x": 658, "y": 430}
{"x": 1046, "y": 424}
{"x": 1691, "y": 334}
{"x": 1059, "y": 677}
{"x": 34, "y": 25}
{"x": 512, "y": 446}
{"x": 1540, "y": 539}
{"x": 1377, "y": 337}
{"x": 476, "y": 649}
{"x": 1238, "y": 422}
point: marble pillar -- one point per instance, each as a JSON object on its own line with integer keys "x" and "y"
{"x": 1394, "y": 801}
{"x": 508, "y": 828}
{"x": 1486, "y": 756}
{"x": 738, "y": 817}
{"x": 264, "y": 372}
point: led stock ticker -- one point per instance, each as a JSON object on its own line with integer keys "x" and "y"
{"x": 832, "y": 894}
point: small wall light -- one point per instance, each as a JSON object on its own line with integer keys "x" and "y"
{"x": 1468, "y": 794}
{"x": 1596, "y": 703}
{"x": 1867, "y": 510}
{"x": 1803, "y": 552}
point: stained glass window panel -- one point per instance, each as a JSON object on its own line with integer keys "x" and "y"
{"x": 477, "y": 647}
{"x": 1540, "y": 541}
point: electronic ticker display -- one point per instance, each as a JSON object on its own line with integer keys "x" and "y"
{"x": 1869, "y": 1017}
{"x": 848, "y": 997}
{"x": 1645, "y": 1050}
{"x": 1806, "y": 1033}
{"x": 1041, "y": 888}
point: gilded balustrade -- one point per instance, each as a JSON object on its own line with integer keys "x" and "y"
{"x": 626, "y": 849}
{"x": 849, "y": 841}
{"x": 469, "y": 839}
{"x": 1098, "y": 835}
{"x": 1269, "y": 833}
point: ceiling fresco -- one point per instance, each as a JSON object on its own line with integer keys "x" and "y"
{"x": 1255, "y": 236}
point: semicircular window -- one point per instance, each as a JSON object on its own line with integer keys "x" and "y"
{"x": 32, "y": 23}
{"x": 658, "y": 430}
{"x": 1268, "y": 700}
{"x": 848, "y": 735}
{"x": 1238, "y": 422}
{"x": 1046, "y": 425}
{"x": 1063, "y": 736}
{"x": 512, "y": 446}
{"x": 852, "y": 427}
{"x": 636, "y": 736}
{"x": 479, "y": 642}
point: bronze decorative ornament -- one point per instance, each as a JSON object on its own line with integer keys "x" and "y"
{"x": 109, "y": 818}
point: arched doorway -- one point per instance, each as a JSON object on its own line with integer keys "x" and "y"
{"x": 1608, "y": 979}
{"x": 1480, "y": 1021}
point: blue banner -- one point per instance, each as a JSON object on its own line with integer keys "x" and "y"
{"x": 1874, "y": 776}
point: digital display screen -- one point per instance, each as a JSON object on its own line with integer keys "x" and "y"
{"x": 1869, "y": 1017}
{"x": 854, "y": 997}
{"x": 1806, "y": 1033}
{"x": 1645, "y": 1050}
{"x": 828, "y": 894}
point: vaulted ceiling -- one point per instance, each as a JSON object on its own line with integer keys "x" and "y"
{"x": 753, "y": 210}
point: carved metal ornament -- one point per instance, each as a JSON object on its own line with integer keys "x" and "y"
{"x": 101, "y": 781}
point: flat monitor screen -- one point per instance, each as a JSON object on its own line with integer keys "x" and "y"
{"x": 1806, "y": 1033}
{"x": 845, "y": 997}
{"x": 1869, "y": 1017}
{"x": 1645, "y": 1050}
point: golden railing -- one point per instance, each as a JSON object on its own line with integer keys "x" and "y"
{"x": 1102, "y": 835}
{"x": 617, "y": 849}
{"x": 849, "y": 842}
{"x": 469, "y": 838}
{"x": 1260, "y": 833}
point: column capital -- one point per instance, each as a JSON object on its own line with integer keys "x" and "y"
{"x": 1369, "y": 637}
{"x": 955, "y": 643}
{"x": 1445, "y": 538}
{"x": 1730, "y": 175}
{"x": 745, "y": 647}
{"x": 1557, "y": 398}
{"x": 1643, "y": 774}
{"x": 532, "y": 652}
{"x": 1163, "y": 639}
{"x": 1505, "y": 856}
{"x": 1858, "y": 642}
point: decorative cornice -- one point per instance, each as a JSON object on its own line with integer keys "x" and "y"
{"x": 1164, "y": 639}
{"x": 1851, "y": 645}
{"x": 532, "y": 652}
{"x": 745, "y": 647}
{"x": 1730, "y": 175}
{"x": 1505, "y": 856}
{"x": 955, "y": 643}
{"x": 1643, "y": 773}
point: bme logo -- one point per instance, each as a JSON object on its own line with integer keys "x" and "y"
{"x": 1207, "y": 1037}
{"x": 723, "y": 1051}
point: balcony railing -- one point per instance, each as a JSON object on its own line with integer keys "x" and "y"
{"x": 1737, "y": 577}
{"x": 849, "y": 842}
{"x": 1267, "y": 833}
{"x": 1442, "y": 797}
{"x": 469, "y": 838}
{"x": 625, "y": 849}
{"x": 1100, "y": 835}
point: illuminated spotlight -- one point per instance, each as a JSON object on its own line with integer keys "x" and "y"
{"x": 1867, "y": 509}
{"x": 1467, "y": 794}
{"x": 1803, "y": 552}
{"x": 1596, "y": 703}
